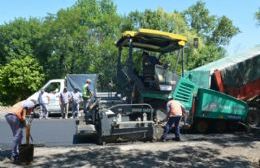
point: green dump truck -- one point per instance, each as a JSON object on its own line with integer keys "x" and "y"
{"x": 222, "y": 93}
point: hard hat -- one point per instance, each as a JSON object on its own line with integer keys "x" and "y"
{"x": 29, "y": 103}
{"x": 88, "y": 81}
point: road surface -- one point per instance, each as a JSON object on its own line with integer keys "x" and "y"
{"x": 51, "y": 132}
{"x": 54, "y": 138}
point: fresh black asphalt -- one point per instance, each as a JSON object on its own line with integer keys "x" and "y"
{"x": 45, "y": 132}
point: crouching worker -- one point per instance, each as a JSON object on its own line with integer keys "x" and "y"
{"x": 174, "y": 115}
{"x": 16, "y": 120}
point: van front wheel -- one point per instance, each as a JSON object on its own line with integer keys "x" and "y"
{"x": 37, "y": 112}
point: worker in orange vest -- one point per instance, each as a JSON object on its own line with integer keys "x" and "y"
{"x": 174, "y": 115}
{"x": 16, "y": 120}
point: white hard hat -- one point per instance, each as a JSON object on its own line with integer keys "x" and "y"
{"x": 29, "y": 103}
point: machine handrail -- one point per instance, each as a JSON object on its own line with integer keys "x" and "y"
{"x": 125, "y": 105}
{"x": 128, "y": 105}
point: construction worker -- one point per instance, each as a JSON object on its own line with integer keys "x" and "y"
{"x": 76, "y": 99}
{"x": 65, "y": 97}
{"x": 86, "y": 95}
{"x": 43, "y": 100}
{"x": 174, "y": 115}
{"x": 16, "y": 119}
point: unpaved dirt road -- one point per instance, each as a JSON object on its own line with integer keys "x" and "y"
{"x": 212, "y": 150}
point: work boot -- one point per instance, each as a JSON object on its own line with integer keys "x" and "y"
{"x": 177, "y": 139}
{"x": 163, "y": 139}
{"x": 14, "y": 159}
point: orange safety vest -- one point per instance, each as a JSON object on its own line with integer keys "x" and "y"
{"x": 17, "y": 109}
{"x": 175, "y": 108}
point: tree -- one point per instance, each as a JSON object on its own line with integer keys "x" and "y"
{"x": 257, "y": 15}
{"x": 205, "y": 55}
{"x": 199, "y": 18}
{"x": 223, "y": 31}
{"x": 75, "y": 37}
{"x": 159, "y": 19}
{"x": 19, "y": 78}
{"x": 80, "y": 39}
{"x": 214, "y": 33}
{"x": 196, "y": 22}
{"x": 19, "y": 38}
{"x": 211, "y": 28}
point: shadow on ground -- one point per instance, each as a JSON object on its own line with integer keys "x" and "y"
{"x": 239, "y": 139}
{"x": 4, "y": 153}
{"x": 114, "y": 157}
{"x": 186, "y": 156}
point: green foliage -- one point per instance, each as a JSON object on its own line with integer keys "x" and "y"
{"x": 80, "y": 39}
{"x": 22, "y": 76}
{"x": 205, "y": 55}
{"x": 158, "y": 20}
{"x": 257, "y": 15}
{"x": 195, "y": 22}
{"x": 224, "y": 31}
{"x": 210, "y": 28}
{"x": 213, "y": 34}
{"x": 173, "y": 22}
{"x": 199, "y": 18}
{"x": 76, "y": 36}
{"x": 19, "y": 38}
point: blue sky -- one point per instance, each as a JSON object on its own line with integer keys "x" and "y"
{"x": 241, "y": 12}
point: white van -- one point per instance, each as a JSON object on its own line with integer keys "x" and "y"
{"x": 54, "y": 87}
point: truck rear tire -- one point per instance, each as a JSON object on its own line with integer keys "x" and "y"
{"x": 253, "y": 118}
{"x": 221, "y": 126}
{"x": 202, "y": 126}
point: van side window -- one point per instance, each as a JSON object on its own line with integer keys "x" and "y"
{"x": 53, "y": 87}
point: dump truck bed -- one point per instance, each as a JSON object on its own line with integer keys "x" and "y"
{"x": 239, "y": 74}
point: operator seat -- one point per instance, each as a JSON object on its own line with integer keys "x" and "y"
{"x": 149, "y": 63}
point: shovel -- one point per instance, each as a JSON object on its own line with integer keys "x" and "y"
{"x": 26, "y": 150}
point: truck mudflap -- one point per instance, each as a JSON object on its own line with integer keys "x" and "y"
{"x": 253, "y": 117}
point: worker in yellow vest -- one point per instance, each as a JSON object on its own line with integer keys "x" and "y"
{"x": 86, "y": 95}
